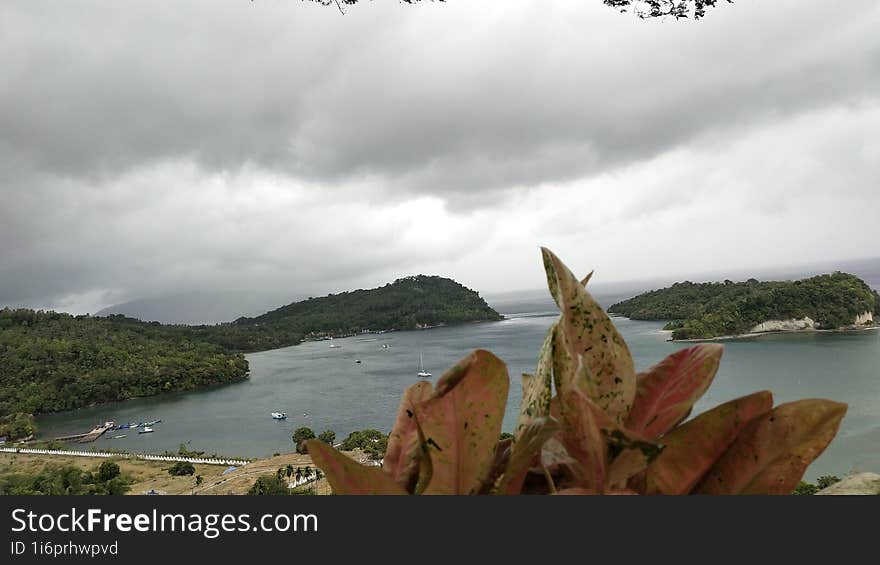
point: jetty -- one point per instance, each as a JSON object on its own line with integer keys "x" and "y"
{"x": 89, "y": 436}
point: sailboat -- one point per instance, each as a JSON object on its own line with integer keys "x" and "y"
{"x": 422, "y": 371}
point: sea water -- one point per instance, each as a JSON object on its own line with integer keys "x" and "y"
{"x": 325, "y": 388}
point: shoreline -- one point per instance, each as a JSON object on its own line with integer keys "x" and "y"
{"x": 775, "y": 332}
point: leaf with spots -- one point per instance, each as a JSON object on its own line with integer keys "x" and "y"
{"x": 537, "y": 388}
{"x": 461, "y": 423}
{"x": 404, "y": 452}
{"x": 666, "y": 392}
{"x": 499, "y": 464}
{"x": 692, "y": 448}
{"x": 347, "y": 476}
{"x": 771, "y": 454}
{"x": 589, "y": 336}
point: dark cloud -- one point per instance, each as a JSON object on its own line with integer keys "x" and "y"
{"x": 149, "y": 148}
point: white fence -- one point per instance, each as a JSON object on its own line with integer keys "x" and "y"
{"x": 145, "y": 456}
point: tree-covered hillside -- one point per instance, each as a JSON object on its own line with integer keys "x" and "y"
{"x": 407, "y": 303}
{"x": 51, "y": 362}
{"x": 704, "y": 310}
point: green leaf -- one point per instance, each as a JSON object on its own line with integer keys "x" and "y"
{"x": 461, "y": 423}
{"x": 666, "y": 392}
{"x": 772, "y": 453}
{"x": 537, "y": 388}
{"x": 347, "y": 476}
{"x": 693, "y": 448}
{"x": 589, "y": 336}
{"x": 404, "y": 453}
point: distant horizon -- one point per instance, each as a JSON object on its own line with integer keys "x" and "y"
{"x": 618, "y": 288}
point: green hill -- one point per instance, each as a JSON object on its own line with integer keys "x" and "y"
{"x": 51, "y": 362}
{"x": 706, "y": 310}
{"x": 406, "y": 304}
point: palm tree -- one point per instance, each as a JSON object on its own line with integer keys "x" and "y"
{"x": 289, "y": 471}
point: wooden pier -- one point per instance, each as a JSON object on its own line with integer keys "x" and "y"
{"x": 89, "y": 436}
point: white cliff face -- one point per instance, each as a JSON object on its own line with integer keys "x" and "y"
{"x": 865, "y": 318}
{"x": 806, "y": 323}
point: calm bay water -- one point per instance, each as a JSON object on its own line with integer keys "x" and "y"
{"x": 324, "y": 388}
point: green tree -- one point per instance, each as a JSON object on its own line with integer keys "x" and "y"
{"x": 300, "y": 435}
{"x": 327, "y": 436}
{"x": 268, "y": 485}
{"x": 108, "y": 471}
{"x": 826, "y": 481}
{"x": 182, "y": 468}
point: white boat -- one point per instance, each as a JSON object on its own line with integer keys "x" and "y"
{"x": 422, "y": 371}
{"x": 279, "y": 415}
{"x": 119, "y": 436}
{"x": 146, "y": 430}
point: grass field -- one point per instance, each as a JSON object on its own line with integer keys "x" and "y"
{"x": 153, "y": 475}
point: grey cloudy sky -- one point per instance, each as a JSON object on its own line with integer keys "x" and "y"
{"x": 278, "y": 146}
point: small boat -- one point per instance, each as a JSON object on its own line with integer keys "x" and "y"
{"x": 146, "y": 430}
{"x": 279, "y": 415}
{"x": 334, "y": 346}
{"x": 152, "y": 423}
{"x": 119, "y": 436}
{"x": 384, "y": 346}
{"x": 357, "y": 360}
{"x": 422, "y": 371}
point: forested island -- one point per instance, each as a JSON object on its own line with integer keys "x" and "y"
{"x": 406, "y": 304}
{"x": 719, "y": 309}
{"x": 51, "y": 362}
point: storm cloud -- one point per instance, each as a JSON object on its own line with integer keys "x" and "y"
{"x": 283, "y": 148}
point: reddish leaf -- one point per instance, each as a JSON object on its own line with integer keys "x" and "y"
{"x": 524, "y": 453}
{"x": 692, "y": 448}
{"x": 772, "y": 453}
{"x": 627, "y": 464}
{"x": 347, "y": 476}
{"x": 499, "y": 464}
{"x": 404, "y": 451}
{"x": 666, "y": 392}
{"x": 589, "y": 336}
{"x": 582, "y": 436}
{"x": 576, "y": 491}
{"x": 461, "y": 423}
{"x": 554, "y": 454}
